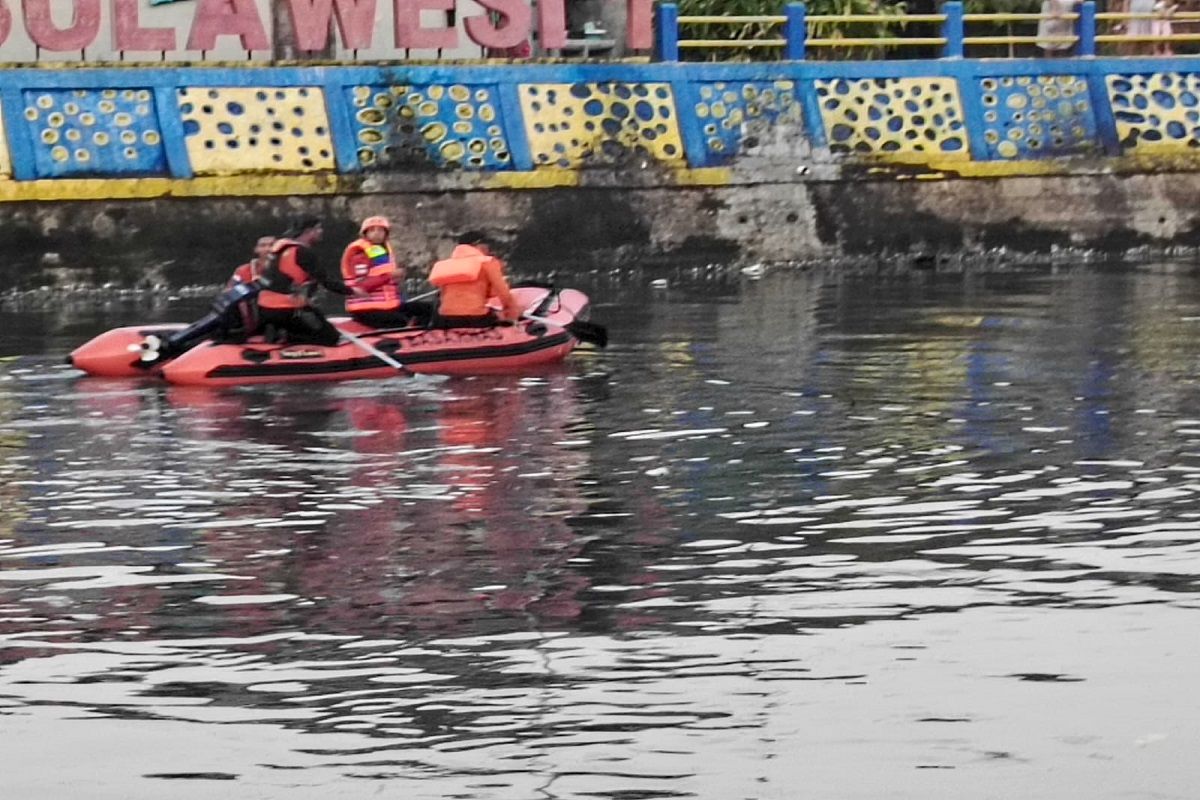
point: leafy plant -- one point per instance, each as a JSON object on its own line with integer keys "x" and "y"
{"x": 759, "y": 31}
{"x": 844, "y": 30}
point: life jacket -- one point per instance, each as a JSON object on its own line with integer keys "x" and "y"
{"x": 463, "y": 266}
{"x": 467, "y": 280}
{"x": 284, "y": 282}
{"x": 244, "y": 274}
{"x": 380, "y": 262}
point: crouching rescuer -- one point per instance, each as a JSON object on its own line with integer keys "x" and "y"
{"x": 470, "y": 278}
{"x": 276, "y": 303}
{"x": 288, "y": 283}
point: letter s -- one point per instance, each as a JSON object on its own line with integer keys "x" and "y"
{"x": 509, "y": 34}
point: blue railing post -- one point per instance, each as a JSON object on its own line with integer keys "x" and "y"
{"x": 1087, "y": 29}
{"x": 952, "y": 29}
{"x": 795, "y": 31}
{"x": 666, "y": 33}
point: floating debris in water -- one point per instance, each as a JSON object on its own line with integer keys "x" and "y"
{"x": 754, "y": 270}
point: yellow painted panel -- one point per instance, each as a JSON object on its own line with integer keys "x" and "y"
{"x": 901, "y": 119}
{"x": 1156, "y": 113}
{"x": 232, "y": 130}
{"x": 571, "y": 124}
{"x": 5, "y": 161}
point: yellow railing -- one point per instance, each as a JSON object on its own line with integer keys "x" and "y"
{"x": 1106, "y": 27}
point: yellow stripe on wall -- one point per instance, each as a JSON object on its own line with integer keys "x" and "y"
{"x": 5, "y": 164}
{"x": 269, "y": 129}
{"x": 64, "y": 189}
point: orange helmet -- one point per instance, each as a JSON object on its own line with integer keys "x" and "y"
{"x": 375, "y": 222}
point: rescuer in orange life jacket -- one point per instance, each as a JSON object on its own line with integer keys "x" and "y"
{"x": 369, "y": 264}
{"x": 233, "y": 313}
{"x": 467, "y": 280}
{"x": 249, "y": 272}
{"x": 289, "y": 280}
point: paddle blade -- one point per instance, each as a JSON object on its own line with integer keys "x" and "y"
{"x": 589, "y": 332}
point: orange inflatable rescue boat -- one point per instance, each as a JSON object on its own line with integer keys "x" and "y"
{"x": 546, "y": 334}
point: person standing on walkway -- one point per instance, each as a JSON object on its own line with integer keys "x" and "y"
{"x": 1140, "y": 26}
{"x": 1055, "y": 27}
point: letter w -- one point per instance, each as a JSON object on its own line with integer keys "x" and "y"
{"x": 310, "y": 20}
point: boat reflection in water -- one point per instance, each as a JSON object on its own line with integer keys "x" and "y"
{"x": 399, "y": 511}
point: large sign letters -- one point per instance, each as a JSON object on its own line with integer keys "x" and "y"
{"x": 503, "y": 25}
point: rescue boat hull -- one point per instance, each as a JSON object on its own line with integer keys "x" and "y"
{"x": 456, "y": 351}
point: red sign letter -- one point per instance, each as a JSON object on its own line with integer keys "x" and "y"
{"x": 227, "y": 18}
{"x": 410, "y": 34}
{"x": 310, "y": 21}
{"x": 85, "y": 24}
{"x": 128, "y": 33}
{"x": 552, "y": 24}
{"x": 511, "y": 33}
{"x": 5, "y": 22}
{"x": 639, "y": 32}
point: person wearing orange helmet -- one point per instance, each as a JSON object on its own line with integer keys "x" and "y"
{"x": 370, "y": 265}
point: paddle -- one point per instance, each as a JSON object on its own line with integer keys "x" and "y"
{"x": 375, "y": 351}
{"x": 584, "y": 331}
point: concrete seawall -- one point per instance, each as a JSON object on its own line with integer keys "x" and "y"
{"x": 167, "y": 175}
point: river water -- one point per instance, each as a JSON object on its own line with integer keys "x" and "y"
{"x": 789, "y": 536}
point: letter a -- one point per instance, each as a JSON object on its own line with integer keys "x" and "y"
{"x": 227, "y": 18}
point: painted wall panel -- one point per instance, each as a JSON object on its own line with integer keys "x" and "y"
{"x": 455, "y": 125}
{"x": 83, "y": 132}
{"x": 5, "y": 161}
{"x": 731, "y": 113}
{"x": 574, "y": 124}
{"x": 1156, "y": 112}
{"x": 915, "y": 117}
{"x": 1037, "y": 116}
{"x": 267, "y": 129}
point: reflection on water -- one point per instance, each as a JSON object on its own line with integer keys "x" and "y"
{"x": 791, "y": 537}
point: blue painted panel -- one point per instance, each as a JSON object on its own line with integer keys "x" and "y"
{"x": 1037, "y": 116}
{"x": 445, "y": 125}
{"x": 86, "y": 132}
{"x": 20, "y": 148}
{"x": 730, "y": 111}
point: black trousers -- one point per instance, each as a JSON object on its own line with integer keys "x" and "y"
{"x": 417, "y": 313}
{"x": 484, "y": 321}
{"x": 300, "y": 326}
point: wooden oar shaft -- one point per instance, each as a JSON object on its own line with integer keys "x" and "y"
{"x": 375, "y": 351}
